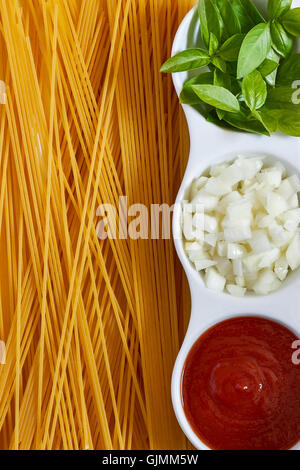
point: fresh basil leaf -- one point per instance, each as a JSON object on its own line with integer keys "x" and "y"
{"x": 220, "y": 114}
{"x": 219, "y": 63}
{"x": 288, "y": 121}
{"x": 274, "y": 57}
{"x": 245, "y": 124}
{"x": 222, "y": 79}
{"x": 213, "y": 118}
{"x": 227, "y": 81}
{"x": 254, "y": 49}
{"x": 187, "y": 95}
{"x": 218, "y": 97}
{"x": 277, "y": 8}
{"x": 282, "y": 104}
{"x": 281, "y": 40}
{"x": 252, "y": 11}
{"x": 291, "y": 21}
{"x": 254, "y": 90}
{"x": 209, "y": 20}
{"x": 282, "y": 98}
{"x": 236, "y": 86}
{"x": 269, "y": 121}
{"x": 289, "y": 70}
{"x": 213, "y": 44}
{"x": 231, "y": 68}
{"x": 231, "y": 23}
{"x": 247, "y": 14}
{"x": 244, "y": 19}
{"x": 186, "y": 60}
{"x": 267, "y": 67}
{"x": 229, "y": 51}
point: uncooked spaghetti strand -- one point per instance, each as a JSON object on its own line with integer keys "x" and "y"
{"x": 47, "y": 225}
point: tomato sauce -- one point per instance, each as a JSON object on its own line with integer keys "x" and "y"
{"x": 240, "y": 388}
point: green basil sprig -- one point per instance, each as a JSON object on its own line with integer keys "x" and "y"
{"x": 254, "y": 90}
{"x": 281, "y": 40}
{"x": 291, "y": 21}
{"x": 230, "y": 49}
{"x": 187, "y": 60}
{"x": 210, "y": 20}
{"x": 218, "y": 97}
{"x": 277, "y": 8}
{"x": 249, "y": 75}
{"x": 254, "y": 49}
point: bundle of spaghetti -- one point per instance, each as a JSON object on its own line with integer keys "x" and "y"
{"x": 91, "y": 326}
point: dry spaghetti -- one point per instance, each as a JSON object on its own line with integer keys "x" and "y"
{"x": 91, "y": 331}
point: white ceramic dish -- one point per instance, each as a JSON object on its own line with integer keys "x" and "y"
{"x": 210, "y": 145}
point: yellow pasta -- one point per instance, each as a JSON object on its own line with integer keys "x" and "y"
{"x": 91, "y": 327}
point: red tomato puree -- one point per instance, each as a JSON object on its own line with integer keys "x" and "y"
{"x": 240, "y": 388}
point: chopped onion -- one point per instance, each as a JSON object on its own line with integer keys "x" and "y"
{"x": 293, "y": 253}
{"x": 235, "y": 290}
{"x": 266, "y": 283}
{"x": 235, "y": 251}
{"x": 208, "y": 201}
{"x": 197, "y": 185}
{"x": 286, "y": 189}
{"x": 211, "y": 239}
{"x": 238, "y": 269}
{"x": 250, "y": 222}
{"x": 204, "y": 264}
{"x": 270, "y": 177}
{"x": 225, "y": 268}
{"x": 210, "y": 224}
{"x": 276, "y": 204}
{"x": 217, "y": 170}
{"x": 238, "y": 233}
{"x": 214, "y": 280}
{"x": 281, "y": 268}
{"x": 259, "y": 241}
{"x": 217, "y": 187}
{"x": 295, "y": 182}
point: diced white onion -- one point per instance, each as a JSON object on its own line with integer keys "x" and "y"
{"x": 211, "y": 239}
{"x": 204, "y": 264}
{"x": 210, "y": 224}
{"x": 197, "y": 185}
{"x": 249, "y": 220}
{"x": 214, "y": 280}
{"x": 217, "y": 170}
{"x": 293, "y": 253}
{"x": 208, "y": 201}
{"x": 270, "y": 177}
{"x": 259, "y": 241}
{"x": 295, "y": 182}
{"x": 235, "y": 290}
{"x": 266, "y": 283}
{"x": 217, "y": 187}
{"x": 224, "y": 267}
{"x": 238, "y": 267}
{"x": 276, "y": 204}
{"x": 281, "y": 268}
{"x": 235, "y": 251}
{"x": 238, "y": 233}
